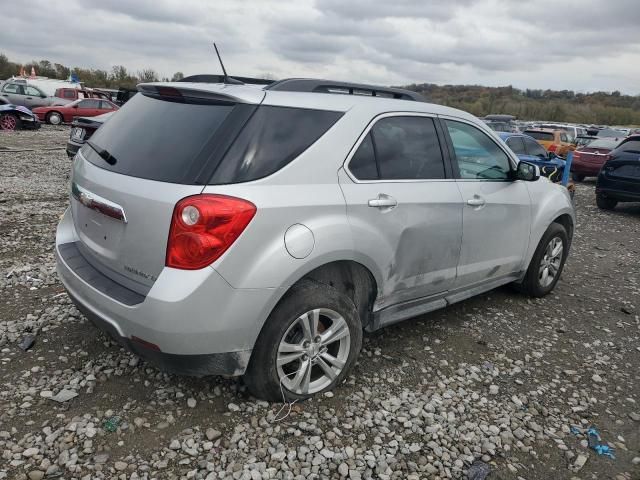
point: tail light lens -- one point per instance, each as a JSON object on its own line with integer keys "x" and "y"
{"x": 203, "y": 227}
{"x": 576, "y": 155}
{"x": 553, "y": 147}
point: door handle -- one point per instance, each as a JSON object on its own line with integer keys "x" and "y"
{"x": 476, "y": 201}
{"x": 383, "y": 201}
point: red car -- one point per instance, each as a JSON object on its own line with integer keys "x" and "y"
{"x": 588, "y": 160}
{"x": 88, "y": 107}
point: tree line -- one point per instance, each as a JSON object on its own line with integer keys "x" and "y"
{"x": 608, "y": 108}
{"x": 117, "y": 77}
{"x": 600, "y": 108}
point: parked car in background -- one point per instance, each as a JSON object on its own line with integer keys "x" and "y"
{"x": 572, "y": 131}
{"x": 71, "y": 94}
{"x": 82, "y": 128}
{"x": 25, "y": 95}
{"x": 16, "y": 117}
{"x": 588, "y": 160}
{"x": 181, "y": 242}
{"x": 583, "y": 140}
{"x": 124, "y": 95}
{"x": 611, "y": 133}
{"x": 555, "y": 141}
{"x": 89, "y": 107}
{"x": 501, "y": 123}
{"x": 619, "y": 178}
{"x": 529, "y": 150}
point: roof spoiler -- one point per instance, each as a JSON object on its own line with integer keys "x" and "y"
{"x": 212, "y": 78}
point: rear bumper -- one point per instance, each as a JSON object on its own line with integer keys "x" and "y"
{"x": 190, "y": 322}
{"x": 584, "y": 168}
{"x": 621, "y": 190}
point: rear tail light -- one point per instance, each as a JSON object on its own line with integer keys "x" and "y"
{"x": 553, "y": 147}
{"x": 576, "y": 155}
{"x": 203, "y": 227}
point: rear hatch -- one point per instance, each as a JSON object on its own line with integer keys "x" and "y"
{"x": 161, "y": 147}
{"x": 596, "y": 152}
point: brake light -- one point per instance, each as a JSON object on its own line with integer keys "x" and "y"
{"x": 576, "y": 155}
{"x": 203, "y": 227}
{"x": 552, "y": 147}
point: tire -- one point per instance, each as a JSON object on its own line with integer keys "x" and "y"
{"x": 269, "y": 381}
{"x": 10, "y": 122}
{"x": 55, "y": 118}
{"x": 605, "y": 203}
{"x": 577, "y": 177}
{"x": 534, "y": 283}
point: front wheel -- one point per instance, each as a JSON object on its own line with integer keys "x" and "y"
{"x": 54, "y": 118}
{"x": 307, "y": 346}
{"x": 547, "y": 263}
{"x": 605, "y": 203}
{"x": 9, "y": 121}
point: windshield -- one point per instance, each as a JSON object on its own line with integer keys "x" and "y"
{"x": 604, "y": 143}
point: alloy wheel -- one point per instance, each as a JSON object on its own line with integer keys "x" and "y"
{"x": 551, "y": 261}
{"x": 8, "y": 122}
{"x": 313, "y": 351}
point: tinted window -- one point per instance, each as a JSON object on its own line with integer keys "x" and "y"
{"x": 363, "y": 162}
{"x": 69, "y": 94}
{"x": 563, "y": 137}
{"x": 630, "y": 146}
{"x": 105, "y": 105}
{"x": 534, "y": 148}
{"x": 12, "y": 88}
{"x": 407, "y": 148}
{"x": 545, "y": 136}
{"x": 478, "y": 156}
{"x": 146, "y": 145}
{"x": 516, "y": 144}
{"x": 273, "y": 137}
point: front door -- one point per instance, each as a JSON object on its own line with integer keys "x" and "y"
{"x": 404, "y": 207}
{"x": 497, "y": 210}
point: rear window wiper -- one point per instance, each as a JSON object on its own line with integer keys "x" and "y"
{"x": 102, "y": 153}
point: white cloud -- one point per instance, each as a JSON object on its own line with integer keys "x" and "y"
{"x": 580, "y": 45}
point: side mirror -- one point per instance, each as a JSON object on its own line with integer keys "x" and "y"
{"x": 552, "y": 155}
{"x": 528, "y": 172}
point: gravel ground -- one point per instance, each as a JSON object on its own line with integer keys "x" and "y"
{"x": 500, "y": 378}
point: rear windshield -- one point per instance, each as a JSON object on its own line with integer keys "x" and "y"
{"x": 603, "y": 143}
{"x": 158, "y": 140}
{"x": 205, "y": 144}
{"x": 540, "y": 135}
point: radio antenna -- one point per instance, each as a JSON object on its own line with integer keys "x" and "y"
{"x": 224, "y": 70}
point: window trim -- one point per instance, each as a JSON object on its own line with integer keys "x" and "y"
{"x": 512, "y": 157}
{"x": 449, "y": 174}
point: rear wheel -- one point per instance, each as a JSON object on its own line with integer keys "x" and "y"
{"x": 54, "y": 118}
{"x": 577, "y": 177}
{"x": 547, "y": 263}
{"x": 9, "y": 121}
{"x": 307, "y": 346}
{"x": 605, "y": 203}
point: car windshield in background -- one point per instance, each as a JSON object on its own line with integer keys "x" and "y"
{"x": 545, "y": 136}
{"x": 610, "y": 132}
{"x": 157, "y": 139}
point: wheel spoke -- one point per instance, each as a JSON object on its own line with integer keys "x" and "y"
{"x": 544, "y": 276}
{"x": 286, "y": 359}
{"x": 337, "y": 331}
{"x": 286, "y": 347}
{"x": 309, "y": 322}
{"x": 336, "y": 362}
{"x": 557, "y": 249}
{"x": 326, "y": 368}
{"x": 298, "y": 381}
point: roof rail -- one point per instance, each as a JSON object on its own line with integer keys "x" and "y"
{"x": 330, "y": 86}
{"x": 207, "y": 78}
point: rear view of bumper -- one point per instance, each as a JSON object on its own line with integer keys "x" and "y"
{"x": 190, "y": 322}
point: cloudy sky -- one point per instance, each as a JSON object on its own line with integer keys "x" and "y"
{"x": 583, "y": 45}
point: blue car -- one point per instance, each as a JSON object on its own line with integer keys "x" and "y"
{"x": 527, "y": 149}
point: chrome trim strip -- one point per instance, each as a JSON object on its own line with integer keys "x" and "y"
{"x": 98, "y": 203}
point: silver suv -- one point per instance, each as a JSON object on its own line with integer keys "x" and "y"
{"x": 258, "y": 230}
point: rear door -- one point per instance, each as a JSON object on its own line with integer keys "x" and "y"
{"x": 122, "y": 205}
{"x": 404, "y": 207}
{"x": 14, "y": 93}
{"x": 497, "y": 209}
